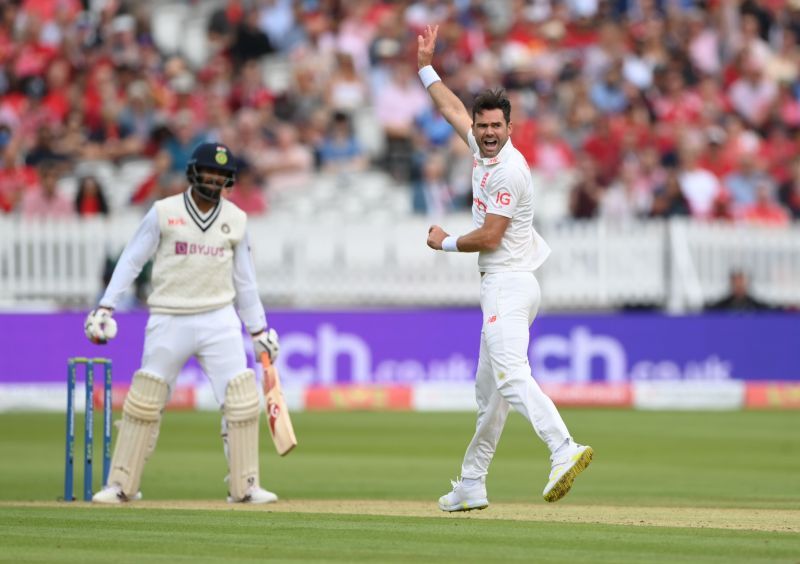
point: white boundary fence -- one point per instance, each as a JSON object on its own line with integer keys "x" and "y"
{"x": 316, "y": 263}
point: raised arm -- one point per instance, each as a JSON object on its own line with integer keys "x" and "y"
{"x": 446, "y": 102}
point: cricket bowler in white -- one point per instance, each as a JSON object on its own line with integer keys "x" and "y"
{"x": 509, "y": 251}
{"x": 202, "y": 274}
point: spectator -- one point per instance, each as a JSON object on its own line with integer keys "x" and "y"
{"x": 677, "y": 104}
{"x": 434, "y": 129}
{"x": 397, "y": 104}
{"x": 248, "y": 193}
{"x": 586, "y": 191}
{"x": 609, "y": 94}
{"x": 316, "y": 50}
{"x": 74, "y": 138}
{"x": 669, "y": 199}
{"x": 15, "y": 177}
{"x": 623, "y": 201}
{"x": 346, "y": 92}
{"x": 432, "y": 194}
{"x": 286, "y": 163}
{"x": 721, "y": 208}
{"x": 44, "y": 201}
{"x": 787, "y": 106}
{"x": 185, "y": 136}
{"x": 551, "y": 156}
{"x": 123, "y": 46}
{"x": 603, "y": 147}
{"x": 782, "y": 66}
{"x": 340, "y": 150}
{"x": 145, "y": 192}
{"x": 777, "y": 151}
{"x": 580, "y": 120}
{"x": 249, "y": 41}
{"x": 249, "y": 90}
{"x": 90, "y": 198}
{"x": 57, "y": 97}
{"x": 43, "y": 149}
{"x": 139, "y": 117}
{"x": 739, "y": 298}
{"x": 112, "y": 138}
{"x": 765, "y": 211}
{"x": 277, "y": 21}
{"x": 743, "y": 181}
{"x": 752, "y": 95}
{"x": 698, "y": 185}
{"x": 715, "y": 158}
{"x": 704, "y": 43}
{"x": 789, "y": 192}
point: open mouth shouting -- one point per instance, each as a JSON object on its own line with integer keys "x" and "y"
{"x": 490, "y": 145}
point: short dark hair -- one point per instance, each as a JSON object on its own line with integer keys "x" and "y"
{"x": 492, "y": 100}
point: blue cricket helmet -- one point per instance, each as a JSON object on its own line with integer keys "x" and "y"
{"x": 215, "y": 158}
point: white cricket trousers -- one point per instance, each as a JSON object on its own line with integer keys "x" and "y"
{"x": 213, "y": 337}
{"x": 509, "y": 302}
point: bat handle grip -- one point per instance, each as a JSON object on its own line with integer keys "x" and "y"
{"x": 265, "y": 361}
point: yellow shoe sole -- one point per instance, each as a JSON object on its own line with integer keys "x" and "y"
{"x": 564, "y": 484}
{"x": 465, "y": 506}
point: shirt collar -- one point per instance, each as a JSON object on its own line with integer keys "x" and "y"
{"x": 202, "y": 220}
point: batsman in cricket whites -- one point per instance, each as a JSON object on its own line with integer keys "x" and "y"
{"x": 203, "y": 274}
{"x": 509, "y": 251}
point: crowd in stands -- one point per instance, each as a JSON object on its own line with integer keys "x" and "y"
{"x": 624, "y": 108}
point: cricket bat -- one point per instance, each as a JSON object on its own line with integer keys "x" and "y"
{"x": 278, "y": 420}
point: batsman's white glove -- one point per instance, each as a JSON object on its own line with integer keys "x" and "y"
{"x": 266, "y": 341}
{"x": 100, "y": 327}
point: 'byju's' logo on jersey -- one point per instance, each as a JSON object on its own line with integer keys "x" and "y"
{"x": 184, "y": 248}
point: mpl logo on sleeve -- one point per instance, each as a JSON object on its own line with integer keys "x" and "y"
{"x": 176, "y": 221}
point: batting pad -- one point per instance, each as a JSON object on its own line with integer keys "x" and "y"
{"x": 241, "y": 411}
{"x": 141, "y": 418}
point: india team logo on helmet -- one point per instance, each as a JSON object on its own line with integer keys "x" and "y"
{"x": 222, "y": 155}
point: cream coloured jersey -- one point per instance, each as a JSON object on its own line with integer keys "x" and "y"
{"x": 193, "y": 267}
{"x": 202, "y": 261}
{"x": 502, "y": 185}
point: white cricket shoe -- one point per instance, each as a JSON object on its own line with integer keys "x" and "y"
{"x": 255, "y": 494}
{"x": 114, "y": 494}
{"x": 565, "y": 469}
{"x": 464, "y": 498}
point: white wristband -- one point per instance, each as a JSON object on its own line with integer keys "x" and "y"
{"x": 428, "y": 76}
{"x": 449, "y": 244}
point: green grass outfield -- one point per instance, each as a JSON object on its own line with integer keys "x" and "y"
{"x": 664, "y": 487}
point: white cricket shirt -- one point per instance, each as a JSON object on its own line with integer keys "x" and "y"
{"x": 202, "y": 261}
{"x": 502, "y": 185}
